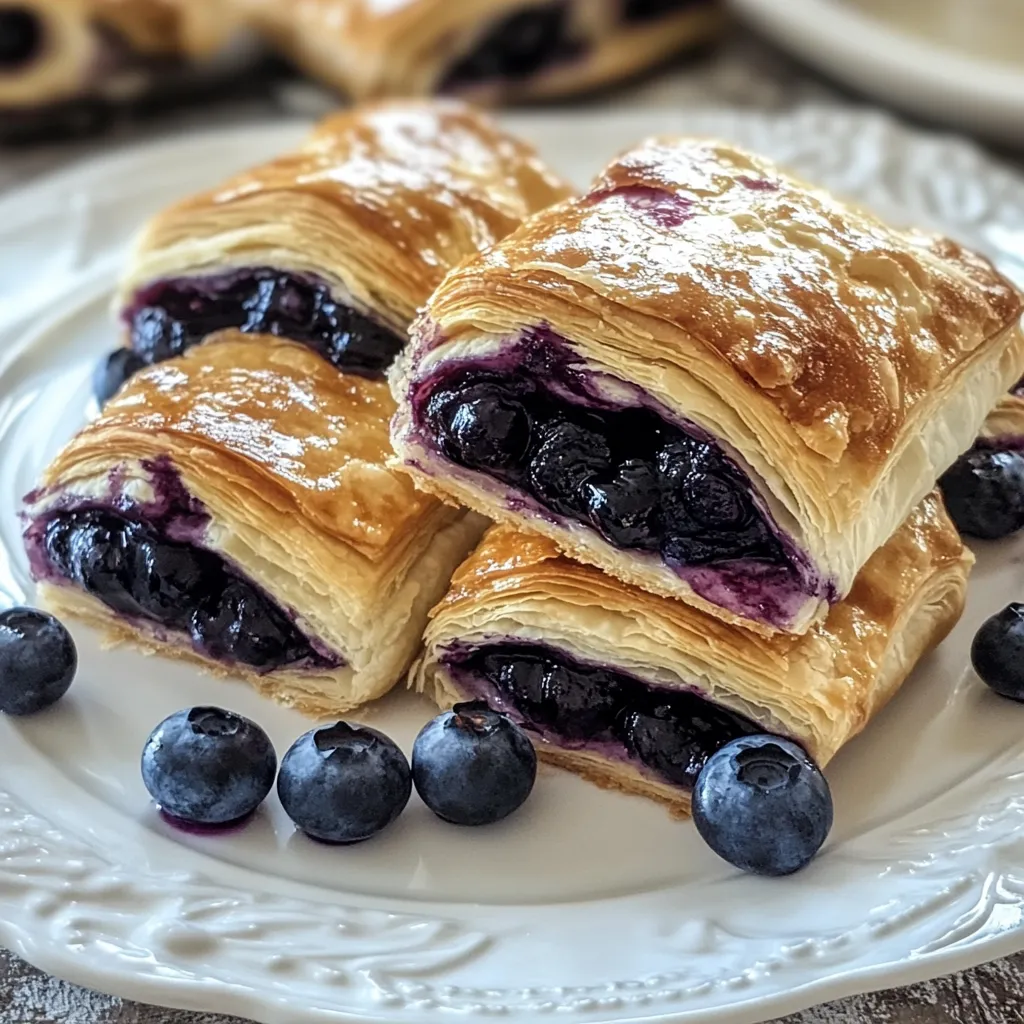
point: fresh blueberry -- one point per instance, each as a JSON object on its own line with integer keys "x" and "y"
{"x": 208, "y": 766}
{"x": 984, "y": 492}
{"x": 624, "y": 510}
{"x": 473, "y": 766}
{"x": 763, "y": 805}
{"x": 38, "y": 661}
{"x": 22, "y": 36}
{"x": 568, "y": 458}
{"x": 112, "y": 371}
{"x": 997, "y": 652}
{"x": 344, "y": 783}
{"x": 481, "y": 426}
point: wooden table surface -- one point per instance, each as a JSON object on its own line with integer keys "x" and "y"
{"x": 741, "y": 72}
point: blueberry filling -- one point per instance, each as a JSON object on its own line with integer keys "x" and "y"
{"x": 141, "y": 574}
{"x": 649, "y": 10}
{"x": 669, "y": 733}
{"x": 21, "y": 37}
{"x": 172, "y": 316}
{"x": 519, "y": 45}
{"x": 641, "y": 482}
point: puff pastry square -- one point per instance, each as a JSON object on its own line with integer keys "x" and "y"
{"x": 232, "y": 507}
{"x": 486, "y": 50}
{"x": 337, "y": 244}
{"x": 635, "y": 691}
{"x": 708, "y": 379}
{"x": 63, "y": 62}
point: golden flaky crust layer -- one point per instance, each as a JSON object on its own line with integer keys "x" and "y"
{"x": 845, "y": 364}
{"x": 408, "y": 47}
{"x": 288, "y": 458}
{"x": 1006, "y": 421}
{"x": 85, "y": 44}
{"x": 380, "y": 202}
{"x": 821, "y": 689}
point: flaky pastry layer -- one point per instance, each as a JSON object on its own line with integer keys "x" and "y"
{"x": 843, "y": 363}
{"x": 820, "y": 689}
{"x": 287, "y": 458}
{"x": 379, "y": 202}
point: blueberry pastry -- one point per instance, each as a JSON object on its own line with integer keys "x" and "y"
{"x": 486, "y": 50}
{"x": 635, "y": 691}
{"x": 65, "y": 63}
{"x": 232, "y": 507}
{"x": 337, "y": 244}
{"x": 707, "y": 379}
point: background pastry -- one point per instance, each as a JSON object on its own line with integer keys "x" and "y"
{"x": 338, "y": 243}
{"x": 233, "y": 507}
{"x": 635, "y": 691}
{"x": 63, "y": 63}
{"x": 485, "y": 49}
{"x": 708, "y": 379}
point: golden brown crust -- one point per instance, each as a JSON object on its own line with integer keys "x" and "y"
{"x": 1005, "y": 422}
{"x": 380, "y": 201}
{"x": 191, "y": 28}
{"x": 408, "y": 47}
{"x": 286, "y": 457}
{"x": 270, "y": 415}
{"x": 842, "y": 324}
{"x": 821, "y": 688}
{"x": 842, "y": 364}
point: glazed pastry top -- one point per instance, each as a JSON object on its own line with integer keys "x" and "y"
{"x": 843, "y": 323}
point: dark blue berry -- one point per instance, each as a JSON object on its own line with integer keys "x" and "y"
{"x": 344, "y": 783}
{"x": 675, "y": 743}
{"x": 112, "y": 371}
{"x": 763, "y": 805}
{"x": 38, "y": 661}
{"x": 481, "y": 426}
{"x": 517, "y": 46}
{"x": 170, "y": 577}
{"x": 473, "y": 766}
{"x": 208, "y": 766}
{"x": 22, "y": 36}
{"x": 997, "y": 652}
{"x": 568, "y": 458}
{"x": 625, "y": 509}
{"x": 984, "y": 492}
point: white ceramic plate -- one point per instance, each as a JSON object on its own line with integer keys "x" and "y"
{"x": 906, "y": 69}
{"x": 586, "y": 906}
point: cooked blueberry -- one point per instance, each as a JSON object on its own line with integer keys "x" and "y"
{"x": 984, "y": 492}
{"x": 38, "y": 661}
{"x": 671, "y": 743}
{"x": 21, "y": 36}
{"x": 208, "y": 766}
{"x": 157, "y": 336}
{"x": 181, "y": 313}
{"x": 98, "y": 552}
{"x": 472, "y": 766}
{"x": 240, "y": 624}
{"x": 112, "y": 371}
{"x": 639, "y": 11}
{"x": 481, "y": 426}
{"x": 997, "y": 652}
{"x": 170, "y": 578}
{"x": 517, "y": 46}
{"x": 763, "y": 805}
{"x": 625, "y": 509}
{"x": 568, "y": 457}
{"x": 344, "y": 783}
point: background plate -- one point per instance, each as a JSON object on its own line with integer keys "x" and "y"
{"x": 587, "y": 905}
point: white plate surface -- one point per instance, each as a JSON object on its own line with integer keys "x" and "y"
{"x": 586, "y": 906}
{"x": 903, "y": 68}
